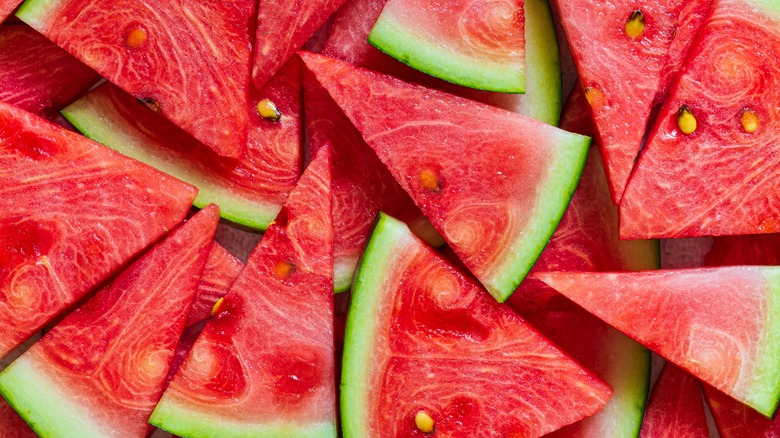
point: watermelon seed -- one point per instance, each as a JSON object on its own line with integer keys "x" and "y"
{"x": 424, "y": 422}
{"x": 749, "y": 121}
{"x": 136, "y": 37}
{"x": 268, "y": 110}
{"x": 151, "y": 103}
{"x": 429, "y": 180}
{"x": 217, "y": 306}
{"x": 593, "y": 95}
{"x": 284, "y": 269}
{"x": 686, "y": 120}
{"x": 635, "y": 26}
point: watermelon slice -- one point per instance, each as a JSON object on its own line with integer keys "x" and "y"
{"x": 264, "y": 365}
{"x": 220, "y": 272}
{"x": 623, "y": 363}
{"x": 101, "y": 371}
{"x": 424, "y": 342}
{"x": 7, "y": 7}
{"x": 188, "y": 62}
{"x": 476, "y": 44}
{"x": 73, "y": 212}
{"x": 752, "y": 249}
{"x": 283, "y": 27}
{"x": 249, "y": 191}
{"x": 687, "y": 317}
{"x": 36, "y": 75}
{"x": 620, "y": 48}
{"x": 675, "y": 408}
{"x": 720, "y": 178}
{"x": 735, "y": 420}
{"x": 499, "y": 212}
{"x": 11, "y": 424}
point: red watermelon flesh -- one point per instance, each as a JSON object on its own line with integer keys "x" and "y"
{"x": 221, "y": 270}
{"x": 101, "y": 371}
{"x": 735, "y": 420}
{"x": 11, "y": 424}
{"x": 721, "y": 179}
{"x": 36, "y": 75}
{"x": 7, "y": 7}
{"x": 489, "y": 212}
{"x": 73, "y": 212}
{"x": 264, "y": 364}
{"x": 687, "y": 316}
{"x": 751, "y": 249}
{"x": 187, "y": 60}
{"x": 621, "y": 74}
{"x": 675, "y": 408}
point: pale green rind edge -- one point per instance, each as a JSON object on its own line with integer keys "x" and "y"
{"x": 765, "y": 390}
{"x": 429, "y": 57}
{"x": 770, "y": 7}
{"x": 44, "y": 404}
{"x": 553, "y": 198}
{"x": 34, "y": 12}
{"x": 180, "y": 421}
{"x": 343, "y": 270}
{"x": 630, "y": 380}
{"x": 388, "y": 235}
{"x": 84, "y": 114}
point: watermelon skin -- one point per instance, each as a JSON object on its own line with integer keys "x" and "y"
{"x": 221, "y": 270}
{"x": 487, "y": 212}
{"x": 250, "y": 191}
{"x": 101, "y": 371}
{"x": 421, "y": 336}
{"x": 282, "y": 29}
{"x": 202, "y": 91}
{"x": 255, "y": 370}
{"x": 36, "y": 75}
{"x": 65, "y": 224}
{"x": 735, "y": 420}
{"x": 734, "y": 189}
{"x": 686, "y": 316}
{"x": 675, "y": 408}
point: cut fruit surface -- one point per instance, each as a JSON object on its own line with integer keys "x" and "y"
{"x": 499, "y": 212}
{"x": 7, "y": 7}
{"x": 753, "y": 249}
{"x": 712, "y": 158}
{"x": 424, "y": 340}
{"x": 264, "y": 364}
{"x": 186, "y": 61}
{"x": 11, "y": 424}
{"x": 220, "y": 272}
{"x": 686, "y": 316}
{"x": 478, "y": 44}
{"x": 675, "y": 408}
{"x": 101, "y": 371}
{"x": 73, "y": 212}
{"x": 735, "y": 420}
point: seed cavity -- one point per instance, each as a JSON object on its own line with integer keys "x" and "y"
{"x": 268, "y": 110}
{"x": 686, "y": 120}
{"x": 424, "y": 422}
{"x": 284, "y": 269}
{"x": 430, "y": 180}
{"x": 151, "y": 103}
{"x": 635, "y": 26}
{"x": 136, "y": 37}
{"x": 749, "y": 121}
{"x": 217, "y": 307}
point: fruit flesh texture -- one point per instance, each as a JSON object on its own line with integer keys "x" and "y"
{"x": 720, "y": 180}
{"x": 154, "y": 50}
{"x": 675, "y": 408}
{"x": 756, "y": 249}
{"x": 475, "y": 44}
{"x": 36, "y": 75}
{"x": 621, "y": 74}
{"x": 221, "y": 270}
{"x": 686, "y": 317}
{"x": 11, "y": 424}
{"x": 522, "y": 174}
{"x": 64, "y": 226}
{"x": 254, "y": 370}
{"x": 101, "y": 371}
{"x": 735, "y": 420}
{"x": 7, "y": 7}
{"x": 423, "y": 337}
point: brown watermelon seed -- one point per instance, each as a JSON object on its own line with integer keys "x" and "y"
{"x": 136, "y": 37}
{"x": 217, "y": 306}
{"x": 268, "y": 110}
{"x": 151, "y": 103}
{"x": 749, "y": 121}
{"x": 424, "y": 422}
{"x": 686, "y": 121}
{"x": 284, "y": 269}
{"x": 635, "y": 26}
{"x": 429, "y": 180}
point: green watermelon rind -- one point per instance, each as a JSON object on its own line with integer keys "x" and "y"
{"x": 429, "y": 57}
{"x": 632, "y": 376}
{"x": 765, "y": 391}
{"x": 769, "y": 7}
{"x": 33, "y": 12}
{"x": 86, "y": 116}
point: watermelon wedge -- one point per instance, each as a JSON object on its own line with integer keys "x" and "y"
{"x": 499, "y": 212}
{"x": 250, "y": 191}
{"x": 154, "y": 50}
{"x": 7, "y": 7}
{"x": 221, "y": 270}
{"x": 424, "y": 342}
{"x": 72, "y": 213}
{"x": 719, "y": 179}
{"x": 675, "y": 408}
{"x": 264, "y": 365}
{"x": 687, "y": 316}
{"x": 36, "y": 75}
{"x": 11, "y": 424}
{"x": 735, "y": 420}
{"x": 283, "y": 27}
{"x": 101, "y": 371}
{"x": 476, "y": 44}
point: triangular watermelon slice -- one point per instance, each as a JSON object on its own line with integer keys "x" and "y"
{"x": 735, "y": 420}
{"x": 264, "y": 364}
{"x": 720, "y": 177}
{"x": 498, "y": 212}
{"x": 188, "y": 62}
{"x": 101, "y": 371}
{"x": 283, "y": 27}
{"x": 221, "y": 270}
{"x": 72, "y": 212}
{"x": 720, "y": 324}
{"x": 36, "y": 75}
{"x": 427, "y": 348}
{"x": 675, "y": 408}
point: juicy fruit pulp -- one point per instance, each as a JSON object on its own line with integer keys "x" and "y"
{"x": 101, "y": 370}
{"x": 72, "y": 213}
{"x": 421, "y": 337}
{"x": 675, "y": 408}
{"x": 220, "y": 272}
{"x": 498, "y": 213}
{"x": 735, "y": 420}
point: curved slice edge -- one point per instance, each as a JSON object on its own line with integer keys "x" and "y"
{"x": 765, "y": 392}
